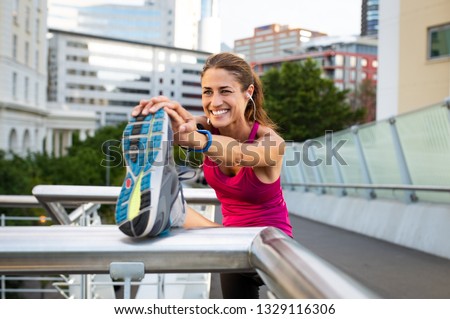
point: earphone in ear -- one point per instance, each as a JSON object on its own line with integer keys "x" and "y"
{"x": 248, "y": 95}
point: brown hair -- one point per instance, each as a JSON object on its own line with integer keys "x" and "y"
{"x": 243, "y": 74}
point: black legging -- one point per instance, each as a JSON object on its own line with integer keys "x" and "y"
{"x": 240, "y": 285}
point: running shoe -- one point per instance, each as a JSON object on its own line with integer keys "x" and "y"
{"x": 151, "y": 186}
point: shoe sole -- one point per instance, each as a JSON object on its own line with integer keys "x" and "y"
{"x": 144, "y": 147}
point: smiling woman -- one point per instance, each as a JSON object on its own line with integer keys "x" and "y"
{"x": 243, "y": 153}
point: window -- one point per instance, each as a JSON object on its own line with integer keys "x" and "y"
{"x": 439, "y": 42}
{"x": 16, "y": 11}
{"x": 14, "y": 52}
{"x": 36, "y": 60}
{"x": 38, "y": 25}
{"x": 26, "y": 88}
{"x": 27, "y": 19}
{"x": 36, "y": 93}
{"x": 27, "y": 52}
{"x": 363, "y": 62}
{"x": 14, "y": 85}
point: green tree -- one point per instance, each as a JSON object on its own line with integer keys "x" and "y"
{"x": 304, "y": 104}
{"x": 365, "y": 97}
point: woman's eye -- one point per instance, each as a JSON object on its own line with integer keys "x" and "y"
{"x": 207, "y": 93}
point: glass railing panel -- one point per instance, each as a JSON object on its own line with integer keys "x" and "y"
{"x": 306, "y": 161}
{"x": 425, "y": 139}
{"x": 291, "y": 170}
{"x": 379, "y": 151}
{"x": 350, "y": 165}
{"x": 324, "y": 160}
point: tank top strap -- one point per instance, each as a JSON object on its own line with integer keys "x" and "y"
{"x": 253, "y": 132}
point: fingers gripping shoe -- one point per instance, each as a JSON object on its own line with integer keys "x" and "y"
{"x": 151, "y": 185}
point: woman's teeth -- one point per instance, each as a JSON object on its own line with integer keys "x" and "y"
{"x": 219, "y": 112}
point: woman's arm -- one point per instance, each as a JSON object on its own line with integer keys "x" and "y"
{"x": 265, "y": 154}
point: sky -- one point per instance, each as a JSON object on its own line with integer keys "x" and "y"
{"x": 240, "y": 17}
{"x": 334, "y": 17}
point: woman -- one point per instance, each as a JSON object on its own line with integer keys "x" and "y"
{"x": 243, "y": 155}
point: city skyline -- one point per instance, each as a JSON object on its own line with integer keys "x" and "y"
{"x": 239, "y": 18}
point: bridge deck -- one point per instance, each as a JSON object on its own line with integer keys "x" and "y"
{"x": 389, "y": 270}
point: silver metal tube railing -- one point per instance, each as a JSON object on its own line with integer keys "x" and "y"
{"x": 90, "y": 250}
{"x": 428, "y": 188}
{"x": 22, "y": 201}
{"x": 289, "y": 270}
{"x": 55, "y": 197}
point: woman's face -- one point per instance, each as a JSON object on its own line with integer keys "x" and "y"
{"x": 223, "y": 101}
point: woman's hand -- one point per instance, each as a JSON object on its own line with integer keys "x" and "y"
{"x": 183, "y": 123}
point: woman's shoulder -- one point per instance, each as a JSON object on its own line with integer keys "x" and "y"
{"x": 265, "y": 132}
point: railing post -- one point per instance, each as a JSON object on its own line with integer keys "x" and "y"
{"x": 127, "y": 271}
{"x": 447, "y": 104}
{"x": 410, "y": 196}
{"x": 85, "y": 287}
{"x": 3, "y": 287}
{"x": 3, "y": 220}
{"x": 370, "y": 193}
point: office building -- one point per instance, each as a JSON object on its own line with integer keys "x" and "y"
{"x": 345, "y": 60}
{"x": 109, "y": 76}
{"x": 163, "y": 22}
{"x": 369, "y": 17}
{"x": 26, "y": 124}
{"x": 209, "y": 27}
{"x": 414, "y": 55}
{"x": 273, "y": 40}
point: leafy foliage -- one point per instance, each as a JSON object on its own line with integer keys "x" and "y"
{"x": 365, "y": 97}
{"x": 304, "y": 104}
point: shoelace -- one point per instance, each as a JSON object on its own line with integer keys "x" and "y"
{"x": 182, "y": 177}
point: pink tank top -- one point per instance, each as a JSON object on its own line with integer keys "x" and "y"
{"x": 246, "y": 201}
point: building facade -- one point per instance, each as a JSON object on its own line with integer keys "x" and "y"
{"x": 369, "y": 17}
{"x": 109, "y": 76}
{"x": 178, "y": 23}
{"x": 414, "y": 54}
{"x": 23, "y": 70}
{"x": 345, "y": 60}
{"x": 273, "y": 40}
{"x": 209, "y": 27}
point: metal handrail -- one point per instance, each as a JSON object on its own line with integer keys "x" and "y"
{"x": 288, "y": 269}
{"x": 76, "y": 194}
{"x": 55, "y": 197}
{"x": 22, "y": 201}
{"x": 429, "y": 188}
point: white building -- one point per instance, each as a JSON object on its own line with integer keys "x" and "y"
{"x": 26, "y": 124}
{"x": 109, "y": 76}
{"x": 23, "y": 71}
{"x": 209, "y": 27}
{"x": 164, "y": 22}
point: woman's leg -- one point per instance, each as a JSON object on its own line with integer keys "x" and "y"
{"x": 240, "y": 286}
{"x": 195, "y": 220}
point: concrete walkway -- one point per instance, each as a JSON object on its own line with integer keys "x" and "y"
{"x": 389, "y": 270}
